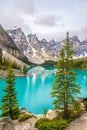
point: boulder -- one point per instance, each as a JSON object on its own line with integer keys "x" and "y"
{"x": 51, "y": 114}
{"x": 6, "y": 124}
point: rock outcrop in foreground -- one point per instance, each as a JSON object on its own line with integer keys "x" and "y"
{"x": 79, "y": 124}
{"x": 7, "y": 124}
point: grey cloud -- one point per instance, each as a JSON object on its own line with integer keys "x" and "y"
{"x": 62, "y": 25}
{"x": 8, "y": 21}
{"x": 59, "y": 36}
{"x": 81, "y": 33}
{"x": 25, "y": 6}
{"x": 17, "y": 8}
{"x": 81, "y": 4}
{"x": 48, "y": 20}
{"x": 13, "y": 14}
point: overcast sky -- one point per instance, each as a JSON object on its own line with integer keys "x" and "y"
{"x": 49, "y": 19}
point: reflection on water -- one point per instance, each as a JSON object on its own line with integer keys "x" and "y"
{"x": 34, "y": 79}
{"x": 43, "y": 79}
{"x": 26, "y": 94}
{"x": 82, "y": 81}
{"x": 27, "y": 79}
{"x": 33, "y": 91}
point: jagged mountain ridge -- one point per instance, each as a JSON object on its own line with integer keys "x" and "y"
{"x": 7, "y": 46}
{"x": 32, "y": 48}
{"x": 38, "y": 51}
{"x": 19, "y": 38}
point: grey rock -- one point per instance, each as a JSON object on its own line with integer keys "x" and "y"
{"x": 19, "y": 38}
{"x": 78, "y": 124}
{"x": 34, "y": 42}
{"x": 6, "y": 124}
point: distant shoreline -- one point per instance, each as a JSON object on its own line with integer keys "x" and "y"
{"x": 3, "y": 73}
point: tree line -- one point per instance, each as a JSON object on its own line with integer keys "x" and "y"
{"x": 5, "y": 63}
{"x": 80, "y": 63}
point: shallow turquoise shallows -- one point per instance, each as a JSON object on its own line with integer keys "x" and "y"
{"x": 33, "y": 92}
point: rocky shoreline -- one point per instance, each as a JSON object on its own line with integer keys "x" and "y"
{"x": 3, "y": 73}
{"x": 7, "y": 123}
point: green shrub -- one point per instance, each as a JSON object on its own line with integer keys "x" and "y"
{"x": 24, "y": 117}
{"x": 74, "y": 112}
{"x": 85, "y": 105}
{"x": 24, "y": 70}
{"x": 55, "y": 124}
{"x": 44, "y": 112}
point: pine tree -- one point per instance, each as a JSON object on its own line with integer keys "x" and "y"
{"x": 24, "y": 70}
{"x": 9, "y": 102}
{"x": 44, "y": 113}
{"x": 65, "y": 88}
{"x": 0, "y": 58}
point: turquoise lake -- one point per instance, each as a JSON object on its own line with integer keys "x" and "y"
{"x": 33, "y": 92}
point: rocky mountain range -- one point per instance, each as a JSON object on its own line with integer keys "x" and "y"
{"x": 38, "y": 51}
{"x": 30, "y": 48}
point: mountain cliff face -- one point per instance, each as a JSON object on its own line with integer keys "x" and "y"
{"x": 19, "y": 38}
{"x": 80, "y": 48}
{"x": 34, "y": 42}
{"x": 7, "y": 44}
{"x": 38, "y": 51}
{"x": 48, "y": 47}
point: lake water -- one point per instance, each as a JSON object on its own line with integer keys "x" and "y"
{"x": 33, "y": 91}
